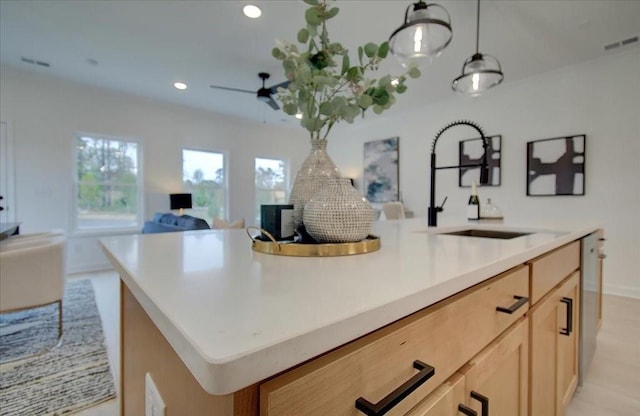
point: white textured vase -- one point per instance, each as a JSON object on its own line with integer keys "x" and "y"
{"x": 313, "y": 175}
{"x": 338, "y": 213}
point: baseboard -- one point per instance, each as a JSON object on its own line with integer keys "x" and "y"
{"x": 625, "y": 291}
{"x": 89, "y": 268}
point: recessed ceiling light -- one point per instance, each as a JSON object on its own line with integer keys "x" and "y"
{"x": 180, "y": 85}
{"x": 252, "y": 11}
{"x": 299, "y": 116}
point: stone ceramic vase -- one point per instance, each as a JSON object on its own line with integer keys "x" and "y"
{"x": 338, "y": 213}
{"x": 314, "y": 173}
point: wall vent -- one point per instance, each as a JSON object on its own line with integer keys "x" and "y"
{"x": 35, "y": 62}
{"x": 624, "y": 42}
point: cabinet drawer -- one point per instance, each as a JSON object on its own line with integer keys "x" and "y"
{"x": 549, "y": 270}
{"x": 445, "y": 336}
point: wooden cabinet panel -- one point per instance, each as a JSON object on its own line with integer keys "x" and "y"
{"x": 444, "y": 400}
{"x": 500, "y": 373}
{"x": 444, "y": 336}
{"x": 568, "y": 344}
{"x": 550, "y": 269}
{"x": 554, "y": 354}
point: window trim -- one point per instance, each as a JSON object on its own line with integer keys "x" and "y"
{"x": 225, "y": 170}
{"x": 75, "y": 231}
{"x": 287, "y": 177}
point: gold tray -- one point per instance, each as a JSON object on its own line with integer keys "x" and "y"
{"x": 285, "y": 248}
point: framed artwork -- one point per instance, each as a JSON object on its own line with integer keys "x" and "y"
{"x": 556, "y": 166}
{"x": 381, "y": 179}
{"x": 471, "y": 152}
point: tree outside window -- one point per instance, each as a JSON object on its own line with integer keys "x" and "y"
{"x": 108, "y": 186}
{"x": 203, "y": 176}
{"x": 270, "y": 183}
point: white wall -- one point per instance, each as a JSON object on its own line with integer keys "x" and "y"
{"x": 600, "y": 98}
{"x": 46, "y": 113}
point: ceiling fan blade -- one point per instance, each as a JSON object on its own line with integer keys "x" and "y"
{"x": 272, "y": 103}
{"x": 231, "y": 89}
{"x": 274, "y": 89}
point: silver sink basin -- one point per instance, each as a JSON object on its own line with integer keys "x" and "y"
{"x": 503, "y": 235}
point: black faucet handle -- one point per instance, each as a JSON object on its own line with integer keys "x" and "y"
{"x": 441, "y": 207}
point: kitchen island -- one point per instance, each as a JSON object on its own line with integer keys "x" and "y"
{"x": 234, "y": 318}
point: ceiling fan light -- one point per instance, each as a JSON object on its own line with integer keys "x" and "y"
{"x": 425, "y": 33}
{"x": 479, "y": 73}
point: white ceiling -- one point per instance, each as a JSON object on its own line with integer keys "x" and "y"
{"x": 143, "y": 46}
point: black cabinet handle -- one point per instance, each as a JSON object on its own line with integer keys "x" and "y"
{"x": 396, "y": 396}
{"x": 521, "y": 301}
{"x": 483, "y": 400}
{"x": 466, "y": 410}
{"x": 569, "y": 329}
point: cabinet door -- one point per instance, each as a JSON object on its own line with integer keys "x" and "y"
{"x": 568, "y": 337}
{"x": 554, "y": 349}
{"x": 444, "y": 401}
{"x": 497, "y": 378}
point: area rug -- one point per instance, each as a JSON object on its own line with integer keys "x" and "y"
{"x": 66, "y": 379}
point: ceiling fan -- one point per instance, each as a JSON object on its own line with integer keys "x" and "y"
{"x": 263, "y": 94}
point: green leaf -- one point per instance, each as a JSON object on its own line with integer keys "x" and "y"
{"x": 311, "y": 2}
{"x": 370, "y": 49}
{"x": 383, "y": 50}
{"x": 401, "y": 88}
{"x": 303, "y": 35}
{"x": 278, "y": 54}
{"x": 414, "y": 72}
{"x": 326, "y": 108}
{"x": 312, "y": 16}
{"x": 377, "y": 109}
{"x": 360, "y": 53}
{"x": 290, "y": 109}
{"x": 353, "y": 74}
{"x": 332, "y": 12}
{"x": 345, "y": 64}
{"x": 365, "y": 101}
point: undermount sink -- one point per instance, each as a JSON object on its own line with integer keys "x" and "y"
{"x": 503, "y": 235}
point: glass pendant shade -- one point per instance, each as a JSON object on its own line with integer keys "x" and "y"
{"x": 479, "y": 73}
{"x": 425, "y": 33}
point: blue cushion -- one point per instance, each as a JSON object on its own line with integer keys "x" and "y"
{"x": 167, "y": 222}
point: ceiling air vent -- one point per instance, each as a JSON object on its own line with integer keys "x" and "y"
{"x": 624, "y": 42}
{"x": 35, "y": 62}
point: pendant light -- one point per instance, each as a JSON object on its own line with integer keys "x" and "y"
{"x": 479, "y": 72}
{"x": 425, "y": 33}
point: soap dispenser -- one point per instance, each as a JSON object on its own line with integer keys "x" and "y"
{"x": 490, "y": 211}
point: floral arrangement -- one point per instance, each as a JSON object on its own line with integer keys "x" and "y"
{"x": 325, "y": 86}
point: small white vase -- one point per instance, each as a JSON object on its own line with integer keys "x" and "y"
{"x": 338, "y": 213}
{"x": 316, "y": 169}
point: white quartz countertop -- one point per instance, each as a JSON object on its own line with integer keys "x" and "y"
{"x": 236, "y": 317}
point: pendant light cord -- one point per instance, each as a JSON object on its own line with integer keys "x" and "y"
{"x": 478, "y": 28}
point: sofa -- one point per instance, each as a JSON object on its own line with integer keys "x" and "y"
{"x": 167, "y": 223}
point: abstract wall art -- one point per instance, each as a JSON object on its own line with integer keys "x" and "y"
{"x": 556, "y": 166}
{"x": 471, "y": 153}
{"x": 381, "y": 170}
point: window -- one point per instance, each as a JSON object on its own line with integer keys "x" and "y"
{"x": 108, "y": 184}
{"x": 203, "y": 176}
{"x": 271, "y": 183}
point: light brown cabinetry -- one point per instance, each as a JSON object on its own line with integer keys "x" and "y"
{"x": 444, "y": 401}
{"x": 497, "y": 379}
{"x": 554, "y": 349}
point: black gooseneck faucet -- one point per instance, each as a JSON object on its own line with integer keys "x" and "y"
{"x": 484, "y": 171}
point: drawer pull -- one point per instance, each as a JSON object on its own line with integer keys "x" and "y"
{"x": 569, "y": 329}
{"x": 484, "y": 400}
{"x": 466, "y": 410}
{"x": 521, "y": 301}
{"x": 396, "y": 396}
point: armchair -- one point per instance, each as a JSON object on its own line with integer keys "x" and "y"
{"x": 32, "y": 274}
